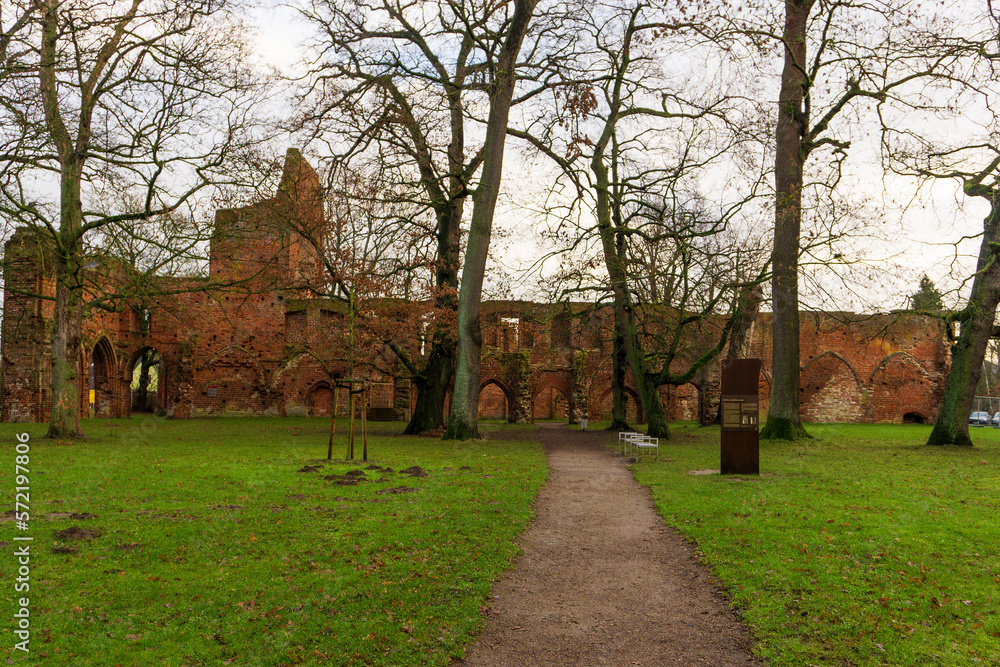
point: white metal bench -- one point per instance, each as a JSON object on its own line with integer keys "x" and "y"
{"x": 625, "y": 439}
{"x": 646, "y": 442}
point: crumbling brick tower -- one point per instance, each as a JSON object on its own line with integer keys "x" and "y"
{"x": 27, "y": 324}
{"x": 261, "y": 257}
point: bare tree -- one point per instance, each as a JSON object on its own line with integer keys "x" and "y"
{"x": 502, "y": 78}
{"x": 662, "y": 260}
{"x": 914, "y": 146}
{"x": 395, "y": 92}
{"x": 142, "y": 97}
{"x": 860, "y": 52}
{"x": 976, "y": 320}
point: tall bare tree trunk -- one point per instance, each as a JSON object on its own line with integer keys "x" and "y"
{"x": 432, "y": 382}
{"x": 976, "y": 321}
{"x": 464, "y": 420}
{"x": 64, "y": 420}
{"x": 739, "y": 342}
{"x": 656, "y": 416}
{"x": 619, "y": 399}
{"x": 791, "y": 150}
{"x": 432, "y": 388}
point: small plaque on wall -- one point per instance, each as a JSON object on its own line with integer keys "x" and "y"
{"x": 213, "y": 392}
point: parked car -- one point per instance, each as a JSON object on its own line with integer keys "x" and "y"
{"x": 980, "y": 418}
{"x": 996, "y": 420}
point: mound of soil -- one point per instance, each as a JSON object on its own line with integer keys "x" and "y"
{"x": 76, "y": 533}
{"x": 414, "y": 471}
{"x": 397, "y": 489}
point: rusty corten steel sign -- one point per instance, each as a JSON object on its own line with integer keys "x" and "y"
{"x": 740, "y": 417}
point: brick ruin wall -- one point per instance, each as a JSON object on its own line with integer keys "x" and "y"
{"x": 267, "y": 347}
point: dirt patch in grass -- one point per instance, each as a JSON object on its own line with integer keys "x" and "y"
{"x": 76, "y": 533}
{"x": 349, "y": 478}
{"x": 414, "y": 471}
{"x": 397, "y": 489}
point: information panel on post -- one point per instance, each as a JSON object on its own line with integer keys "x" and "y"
{"x": 740, "y": 411}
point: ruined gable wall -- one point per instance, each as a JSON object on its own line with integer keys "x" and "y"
{"x": 855, "y": 368}
{"x": 858, "y": 368}
{"x": 266, "y": 345}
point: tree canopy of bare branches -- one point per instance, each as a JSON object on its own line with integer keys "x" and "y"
{"x": 145, "y": 99}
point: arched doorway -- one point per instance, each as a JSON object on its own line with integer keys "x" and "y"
{"x": 493, "y": 402}
{"x": 103, "y": 371}
{"x": 550, "y": 404}
{"x": 321, "y": 400}
{"x": 634, "y": 413}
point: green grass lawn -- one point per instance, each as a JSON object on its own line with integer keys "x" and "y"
{"x": 860, "y": 547}
{"x": 209, "y": 547}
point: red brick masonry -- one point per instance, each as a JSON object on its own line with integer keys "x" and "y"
{"x": 264, "y": 345}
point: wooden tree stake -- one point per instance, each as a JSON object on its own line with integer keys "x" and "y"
{"x": 333, "y": 423}
{"x": 350, "y": 446}
{"x": 364, "y": 422}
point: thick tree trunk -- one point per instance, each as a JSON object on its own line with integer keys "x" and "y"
{"x": 464, "y": 419}
{"x": 432, "y": 388}
{"x": 141, "y": 395}
{"x": 140, "y": 403}
{"x": 976, "y": 321}
{"x": 652, "y": 405}
{"x": 783, "y": 420}
{"x": 656, "y": 416}
{"x": 619, "y": 399}
{"x": 433, "y": 381}
{"x": 706, "y": 416}
{"x": 64, "y": 420}
{"x": 68, "y": 320}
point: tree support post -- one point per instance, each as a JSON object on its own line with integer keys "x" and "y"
{"x": 333, "y": 422}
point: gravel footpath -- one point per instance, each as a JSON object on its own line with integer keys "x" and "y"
{"x": 602, "y": 580}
